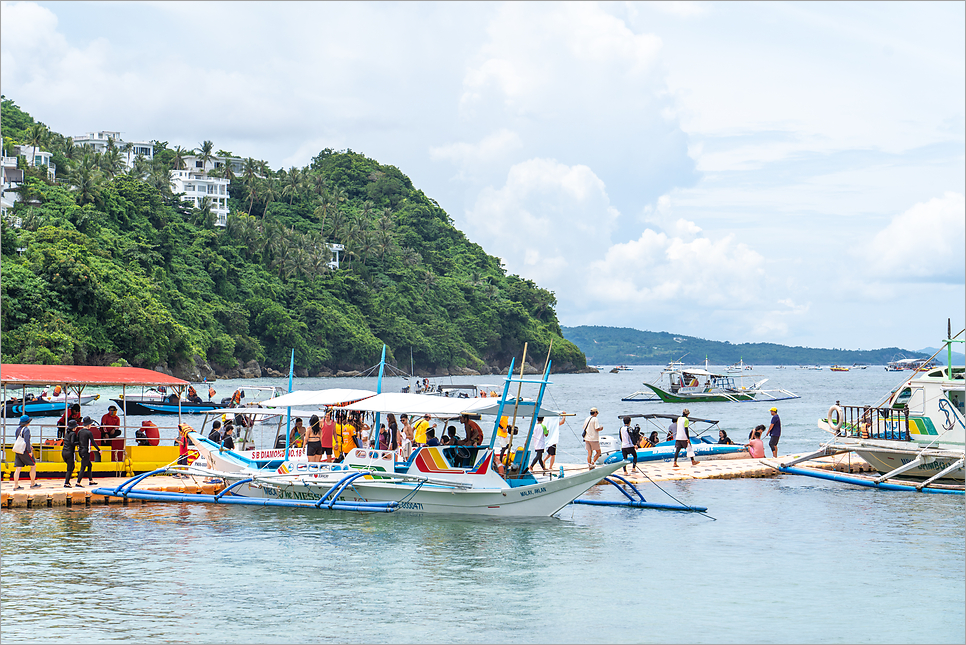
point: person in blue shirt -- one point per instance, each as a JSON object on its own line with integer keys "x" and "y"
{"x": 774, "y": 432}
{"x": 431, "y": 439}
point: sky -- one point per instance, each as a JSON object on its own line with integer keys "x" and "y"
{"x": 752, "y": 172}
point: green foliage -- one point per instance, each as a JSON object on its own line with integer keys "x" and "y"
{"x": 621, "y": 345}
{"x": 118, "y": 269}
{"x": 14, "y": 122}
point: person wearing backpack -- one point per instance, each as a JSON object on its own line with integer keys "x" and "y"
{"x": 67, "y": 452}
{"x": 25, "y": 458}
{"x": 591, "y": 435}
{"x": 628, "y": 447}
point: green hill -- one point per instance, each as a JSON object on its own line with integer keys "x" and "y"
{"x": 622, "y": 345}
{"x": 108, "y": 266}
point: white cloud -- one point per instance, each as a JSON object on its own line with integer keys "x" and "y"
{"x": 546, "y": 221}
{"x": 492, "y": 148}
{"x": 925, "y": 243}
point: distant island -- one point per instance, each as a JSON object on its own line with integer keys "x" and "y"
{"x": 623, "y": 345}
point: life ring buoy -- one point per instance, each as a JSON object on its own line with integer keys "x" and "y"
{"x": 836, "y": 417}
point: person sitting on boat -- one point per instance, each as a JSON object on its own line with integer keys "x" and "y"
{"x": 236, "y": 399}
{"x": 474, "y": 434}
{"x": 173, "y": 398}
{"x": 724, "y": 439}
{"x": 451, "y": 436}
{"x": 215, "y": 434}
{"x": 73, "y": 414}
{"x": 193, "y": 395}
{"x": 651, "y": 441}
{"x": 211, "y": 393}
{"x": 227, "y": 442}
{"x": 431, "y": 439}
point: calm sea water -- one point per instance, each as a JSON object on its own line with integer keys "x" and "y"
{"x": 784, "y": 560}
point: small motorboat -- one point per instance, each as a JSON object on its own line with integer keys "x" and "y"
{"x": 702, "y": 432}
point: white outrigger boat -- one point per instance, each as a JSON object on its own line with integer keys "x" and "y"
{"x": 468, "y": 480}
{"x": 677, "y": 384}
{"x": 918, "y": 433}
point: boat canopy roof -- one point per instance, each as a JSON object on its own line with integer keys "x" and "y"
{"x": 318, "y": 398}
{"x": 15, "y": 375}
{"x": 441, "y": 406}
{"x": 270, "y": 412}
{"x": 670, "y": 417}
{"x": 698, "y": 371}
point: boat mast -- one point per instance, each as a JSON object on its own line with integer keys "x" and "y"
{"x": 375, "y": 425}
{"x": 288, "y": 418}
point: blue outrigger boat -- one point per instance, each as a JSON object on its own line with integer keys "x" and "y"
{"x": 37, "y": 407}
{"x": 705, "y": 446}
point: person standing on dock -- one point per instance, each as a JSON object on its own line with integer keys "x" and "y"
{"x": 681, "y": 438}
{"x": 25, "y": 458}
{"x": 628, "y": 449}
{"x": 591, "y": 434}
{"x": 67, "y": 452}
{"x": 85, "y": 441}
{"x": 774, "y": 432}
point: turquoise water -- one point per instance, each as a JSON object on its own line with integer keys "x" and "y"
{"x": 785, "y": 560}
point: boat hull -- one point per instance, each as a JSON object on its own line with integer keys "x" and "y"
{"x": 44, "y": 409}
{"x": 707, "y": 397}
{"x": 665, "y": 452}
{"x": 541, "y": 499}
{"x": 146, "y": 407}
{"x": 886, "y": 458}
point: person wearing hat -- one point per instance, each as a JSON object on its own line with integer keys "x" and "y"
{"x": 25, "y": 458}
{"x": 682, "y": 439}
{"x": 111, "y": 429}
{"x": 591, "y": 436}
{"x": 774, "y": 432}
{"x": 85, "y": 442}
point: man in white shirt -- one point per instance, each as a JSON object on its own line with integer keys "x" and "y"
{"x": 681, "y": 439}
{"x": 540, "y": 434}
{"x": 592, "y": 430}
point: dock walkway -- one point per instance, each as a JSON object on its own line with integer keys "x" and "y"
{"x": 52, "y": 493}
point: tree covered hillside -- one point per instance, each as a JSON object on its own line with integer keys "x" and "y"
{"x": 616, "y": 345}
{"x": 110, "y": 266}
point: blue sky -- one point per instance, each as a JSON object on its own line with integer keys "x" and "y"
{"x": 781, "y": 172}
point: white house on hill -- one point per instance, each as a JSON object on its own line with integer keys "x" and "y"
{"x": 98, "y": 142}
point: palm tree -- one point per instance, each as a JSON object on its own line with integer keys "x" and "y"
{"x": 178, "y": 159}
{"x": 68, "y": 149}
{"x": 203, "y": 213}
{"x": 37, "y": 135}
{"x": 338, "y": 222}
{"x": 225, "y": 171}
{"x": 112, "y": 162}
{"x": 293, "y": 184}
{"x": 318, "y": 183}
{"x": 205, "y": 154}
{"x": 86, "y": 180}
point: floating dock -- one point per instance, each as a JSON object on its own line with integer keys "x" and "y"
{"x": 52, "y": 493}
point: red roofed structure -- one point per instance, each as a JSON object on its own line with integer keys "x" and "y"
{"x": 13, "y": 375}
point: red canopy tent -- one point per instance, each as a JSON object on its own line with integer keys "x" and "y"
{"x": 77, "y": 377}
